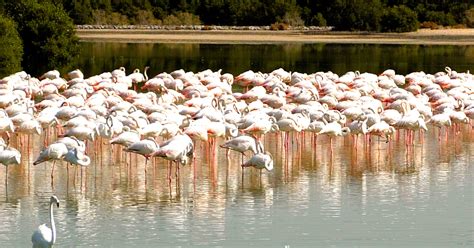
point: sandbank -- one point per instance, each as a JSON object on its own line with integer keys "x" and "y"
{"x": 421, "y": 37}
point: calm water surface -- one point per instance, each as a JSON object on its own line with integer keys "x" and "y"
{"x": 373, "y": 194}
{"x": 339, "y": 58}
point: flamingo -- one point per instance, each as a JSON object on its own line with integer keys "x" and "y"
{"x": 45, "y": 236}
{"x": 9, "y": 156}
{"x": 260, "y": 161}
{"x": 55, "y": 151}
{"x": 144, "y": 147}
{"x": 382, "y": 128}
{"x": 75, "y": 156}
{"x": 242, "y": 144}
{"x": 177, "y": 149}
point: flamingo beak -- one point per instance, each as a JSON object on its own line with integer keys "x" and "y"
{"x": 57, "y": 204}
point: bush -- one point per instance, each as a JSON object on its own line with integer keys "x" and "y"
{"x": 399, "y": 19}
{"x": 48, "y": 35}
{"x": 101, "y": 17}
{"x": 469, "y": 17}
{"x": 440, "y": 18}
{"x": 430, "y": 25}
{"x": 182, "y": 18}
{"x": 12, "y": 49}
{"x": 145, "y": 17}
{"x": 292, "y": 18}
{"x": 318, "y": 20}
{"x": 279, "y": 26}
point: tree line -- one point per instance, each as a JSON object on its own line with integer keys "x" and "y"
{"x": 365, "y": 15}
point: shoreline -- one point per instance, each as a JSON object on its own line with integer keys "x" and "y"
{"x": 420, "y": 37}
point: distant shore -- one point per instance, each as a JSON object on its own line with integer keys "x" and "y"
{"x": 258, "y": 36}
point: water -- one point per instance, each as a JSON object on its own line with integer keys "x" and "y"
{"x": 373, "y": 194}
{"x": 339, "y": 58}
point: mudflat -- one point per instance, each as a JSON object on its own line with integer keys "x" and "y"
{"x": 422, "y": 36}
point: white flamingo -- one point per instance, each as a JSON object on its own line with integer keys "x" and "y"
{"x": 76, "y": 157}
{"x": 177, "y": 149}
{"x": 45, "y": 236}
{"x": 260, "y": 161}
{"x": 242, "y": 144}
{"x": 9, "y": 156}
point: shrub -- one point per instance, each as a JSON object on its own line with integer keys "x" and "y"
{"x": 48, "y": 35}
{"x": 12, "y": 49}
{"x": 430, "y": 25}
{"x": 292, "y": 18}
{"x": 399, "y": 19}
{"x": 469, "y": 16}
{"x": 145, "y": 17}
{"x": 318, "y": 20}
{"x": 182, "y": 18}
{"x": 102, "y": 17}
{"x": 440, "y": 17}
{"x": 279, "y": 26}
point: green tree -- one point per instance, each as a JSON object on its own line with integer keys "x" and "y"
{"x": 12, "y": 49}
{"x": 399, "y": 19}
{"x": 79, "y": 10}
{"x": 362, "y": 15}
{"x": 48, "y": 35}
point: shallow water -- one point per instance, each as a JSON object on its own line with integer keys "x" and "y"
{"x": 99, "y": 57}
{"x": 372, "y": 194}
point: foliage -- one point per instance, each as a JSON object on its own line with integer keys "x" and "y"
{"x": 355, "y": 15}
{"x": 430, "y": 25}
{"x": 470, "y": 17}
{"x": 47, "y": 32}
{"x": 80, "y": 11}
{"x": 279, "y": 26}
{"x": 182, "y": 18}
{"x": 318, "y": 20}
{"x": 363, "y": 15}
{"x": 399, "y": 19}
{"x": 146, "y": 17}
{"x": 439, "y": 17}
{"x": 292, "y": 18}
{"x": 112, "y": 18}
{"x": 12, "y": 50}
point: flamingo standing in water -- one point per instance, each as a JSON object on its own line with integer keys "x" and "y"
{"x": 55, "y": 151}
{"x": 262, "y": 160}
{"x": 242, "y": 144}
{"x": 45, "y": 236}
{"x": 145, "y": 147}
{"x": 177, "y": 149}
{"x": 9, "y": 156}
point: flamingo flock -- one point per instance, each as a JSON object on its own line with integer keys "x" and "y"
{"x": 164, "y": 116}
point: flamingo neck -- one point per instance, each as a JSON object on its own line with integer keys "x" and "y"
{"x": 53, "y": 226}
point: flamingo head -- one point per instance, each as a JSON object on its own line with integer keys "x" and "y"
{"x": 345, "y": 131}
{"x": 54, "y": 199}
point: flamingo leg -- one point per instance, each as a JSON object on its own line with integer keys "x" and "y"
{"x": 52, "y": 173}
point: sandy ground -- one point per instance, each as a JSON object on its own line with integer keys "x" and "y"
{"x": 431, "y": 37}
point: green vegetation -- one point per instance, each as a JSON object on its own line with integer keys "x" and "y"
{"x": 356, "y": 15}
{"x": 12, "y": 50}
{"x": 399, "y": 19}
{"x": 47, "y": 34}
